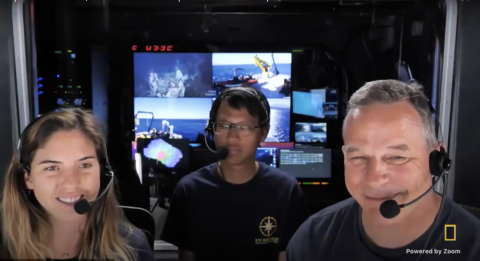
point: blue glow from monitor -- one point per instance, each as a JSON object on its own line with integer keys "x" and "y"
{"x": 267, "y": 156}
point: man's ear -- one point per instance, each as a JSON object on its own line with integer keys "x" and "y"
{"x": 28, "y": 181}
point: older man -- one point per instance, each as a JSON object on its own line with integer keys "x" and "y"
{"x": 389, "y": 138}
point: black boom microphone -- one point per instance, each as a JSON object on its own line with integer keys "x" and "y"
{"x": 390, "y": 208}
{"x": 222, "y": 153}
{"x": 83, "y": 206}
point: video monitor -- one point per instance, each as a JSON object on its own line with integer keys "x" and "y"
{"x": 318, "y": 103}
{"x": 311, "y": 132}
{"x": 160, "y": 154}
{"x": 306, "y": 163}
{"x": 173, "y": 75}
{"x": 174, "y": 118}
{"x": 267, "y": 72}
{"x": 267, "y": 156}
{"x": 279, "y": 120}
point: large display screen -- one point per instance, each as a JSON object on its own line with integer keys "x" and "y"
{"x": 318, "y": 103}
{"x": 175, "y": 118}
{"x": 268, "y": 72}
{"x": 174, "y": 93}
{"x": 173, "y": 75}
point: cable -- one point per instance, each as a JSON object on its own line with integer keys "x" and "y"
{"x": 370, "y": 56}
{"x": 437, "y": 218}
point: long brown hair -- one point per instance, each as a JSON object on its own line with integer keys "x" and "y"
{"x": 26, "y": 227}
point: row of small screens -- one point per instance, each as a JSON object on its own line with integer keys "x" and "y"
{"x": 158, "y": 155}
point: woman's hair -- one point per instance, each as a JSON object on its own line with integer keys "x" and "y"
{"x": 26, "y": 227}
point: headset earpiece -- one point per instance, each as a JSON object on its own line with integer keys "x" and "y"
{"x": 439, "y": 162}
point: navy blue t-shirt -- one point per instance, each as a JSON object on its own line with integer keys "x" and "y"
{"x": 336, "y": 233}
{"x": 221, "y": 221}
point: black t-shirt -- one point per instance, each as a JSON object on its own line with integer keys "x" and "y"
{"x": 336, "y": 233}
{"x": 221, "y": 221}
{"x": 133, "y": 236}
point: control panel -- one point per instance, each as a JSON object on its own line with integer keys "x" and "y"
{"x": 62, "y": 82}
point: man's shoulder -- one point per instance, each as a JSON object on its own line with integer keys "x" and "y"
{"x": 464, "y": 221}
{"x": 334, "y": 213}
{"x": 203, "y": 175}
{"x": 458, "y": 230}
{"x": 320, "y": 229}
{"x": 465, "y": 214}
{"x": 328, "y": 219}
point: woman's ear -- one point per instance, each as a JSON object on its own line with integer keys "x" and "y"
{"x": 28, "y": 181}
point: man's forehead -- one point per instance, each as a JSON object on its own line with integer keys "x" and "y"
{"x": 395, "y": 147}
{"x": 387, "y": 125}
{"x": 400, "y": 113}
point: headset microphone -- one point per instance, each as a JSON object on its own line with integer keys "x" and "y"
{"x": 222, "y": 153}
{"x": 439, "y": 166}
{"x": 83, "y": 206}
{"x": 390, "y": 208}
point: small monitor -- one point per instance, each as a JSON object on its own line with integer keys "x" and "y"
{"x": 268, "y": 72}
{"x": 267, "y": 156}
{"x": 184, "y": 118}
{"x": 315, "y": 133}
{"x": 173, "y": 75}
{"x": 318, "y": 103}
{"x": 159, "y": 154}
{"x": 306, "y": 163}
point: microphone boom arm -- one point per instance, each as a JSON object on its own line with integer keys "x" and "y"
{"x": 424, "y": 193}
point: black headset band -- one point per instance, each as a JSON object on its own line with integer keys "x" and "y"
{"x": 261, "y": 100}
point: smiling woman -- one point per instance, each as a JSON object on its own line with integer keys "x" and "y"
{"x": 62, "y": 160}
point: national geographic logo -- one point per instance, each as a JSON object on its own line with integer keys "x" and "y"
{"x": 450, "y": 232}
{"x": 267, "y": 227}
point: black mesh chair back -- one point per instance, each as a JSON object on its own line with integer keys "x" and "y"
{"x": 143, "y": 220}
{"x": 473, "y": 210}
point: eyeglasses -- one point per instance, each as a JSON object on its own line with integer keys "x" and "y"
{"x": 242, "y": 130}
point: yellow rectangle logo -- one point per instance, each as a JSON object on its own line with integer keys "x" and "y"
{"x": 450, "y": 232}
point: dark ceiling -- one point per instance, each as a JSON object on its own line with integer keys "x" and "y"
{"x": 299, "y": 22}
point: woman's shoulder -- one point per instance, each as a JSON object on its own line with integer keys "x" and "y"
{"x": 137, "y": 240}
{"x": 132, "y": 234}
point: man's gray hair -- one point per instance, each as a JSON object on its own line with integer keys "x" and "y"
{"x": 391, "y": 91}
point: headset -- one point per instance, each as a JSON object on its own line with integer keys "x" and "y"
{"x": 259, "y": 96}
{"x": 222, "y": 153}
{"x": 81, "y": 207}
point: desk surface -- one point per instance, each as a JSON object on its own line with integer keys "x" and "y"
{"x": 161, "y": 245}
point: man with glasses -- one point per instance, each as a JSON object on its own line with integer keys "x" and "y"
{"x": 237, "y": 208}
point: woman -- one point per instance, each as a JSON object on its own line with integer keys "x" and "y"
{"x": 62, "y": 159}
